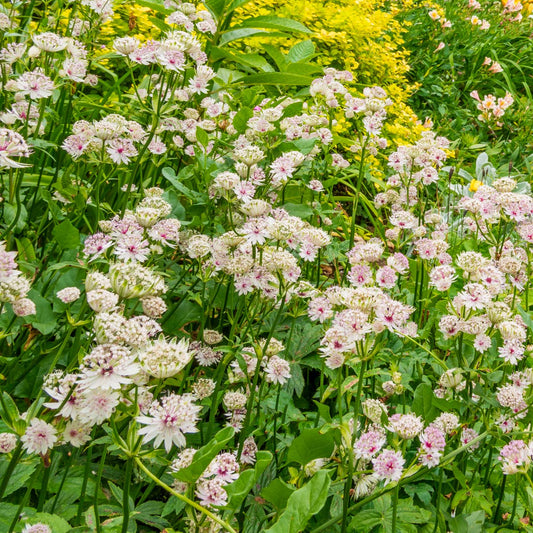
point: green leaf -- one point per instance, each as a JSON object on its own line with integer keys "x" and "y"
{"x": 293, "y": 109}
{"x": 156, "y": 5}
{"x": 303, "y": 504}
{"x": 25, "y": 249}
{"x": 9, "y": 412}
{"x": 240, "y": 120}
{"x": 276, "y": 78}
{"x": 170, "y": 175}
{"x": 202, "y": 137}
{"x": 20, "y": 476}
{"x": 56, "y": 523}
{"x": 526, "y": 317}
{"x": 215, "y": 7}
{"x": 298, "y": 210}
{"x": 467, "y": 523}
{"x": 240, "y": 488}
{"x": 234, "y": 35}
{"x": 310, "y": 445}
{"x": 163, "y": 26}
{"x": 423, "y": 403}
{"x": 10, "y": 213}
{"x": 66, "y": 235}
{"x": 44, "y": 319}
{"x": 301, "y": 51}
{"x": 204, "y": 456}
{"x": 277, "y": 493}
{"x": 236, "y": 4}
{"x": 273, "y": 23}
{"x": 408, "y": 515}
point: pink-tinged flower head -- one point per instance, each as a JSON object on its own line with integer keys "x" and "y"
{"x": 39, "y": 437}
{"x": 211, "y": 492}
{"x": 12, "y": 144}
{"x": 515, "y": 457}
{"x": 169, "y": 419}
{"x": 388, "y": 465}
{"x": 369, "y": 444}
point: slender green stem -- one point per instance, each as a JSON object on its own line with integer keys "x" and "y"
{"x": 96, "y": 489}
{"x": 349, "y": 481}
{"x": 183, "y": 498}
{"x": 126, "y": 496}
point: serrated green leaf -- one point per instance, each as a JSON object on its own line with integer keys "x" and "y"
{"x": 20, "y": 476}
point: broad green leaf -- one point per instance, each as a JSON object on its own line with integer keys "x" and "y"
{"x": 310, "y": 445}
{"x": 204, "y": 456}
{"x": 163, "y": 26}
{"x": 236, "y": 4}
{"x": 240, "y": 120}
{"x": 526, "y": 317}
{"x": 11, "y": 212}
{"x": 234, "y": 35}
{"x": 274, "y": 23}
{"x": 66, "y": 235}
{"x": 241, "y": 487}
{"x": 298, "y": 210}
{"x": 244, "y": 60}
{"x": 467, "y": 523}
{"x": 20, "y": 476}
{"x": 293, "y": 109}
{"x": 275, "y": 53}
{"x": 8, "y": 410}
{"x": 408, "y": 517}
{"x": 277, "y": 493}
{"x": 56, "y": 523}
{"x": 215, "y": 7}
{"x": 44, "y": 319}
{"x": 303, "y": 504}
{"x": 423, "y": 403}
{"x": 25, "y": 249}
{"x": 301, "y": 51}
{"x": 202, "y": 137}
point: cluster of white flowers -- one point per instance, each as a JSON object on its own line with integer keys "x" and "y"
{"x": 260, "y": 253}
{"x": 134, "y": 238}
{"x": 14, "y": 286}
{"x": 221, "y": 471}
{"x": 360, "y": 312}
{"x": 113, "y": 135}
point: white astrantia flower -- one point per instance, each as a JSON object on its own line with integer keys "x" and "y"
{"x": 169, "y": 419}
{"x": 39, "y": 437}
{"x": 163, "y": 359}
{"x": 108, "y": 366}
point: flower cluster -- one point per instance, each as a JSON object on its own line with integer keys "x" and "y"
{"x": 492, "y": 108}
{"x": 14, "y": 286}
